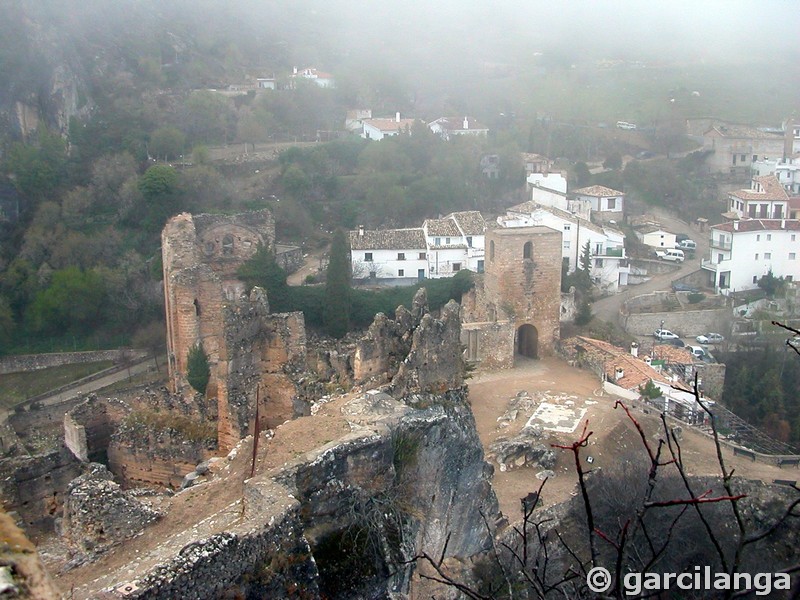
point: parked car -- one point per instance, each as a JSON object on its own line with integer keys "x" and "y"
{"x": 677, "y": 342}
{"x": 682, "y": 287}
{"x": 665, "y": 334}
{"x": 687, "y": 245}
{"x": 672, "y": 254}
{"x": 697, "y": 351}
{"x": 710, "y": 338}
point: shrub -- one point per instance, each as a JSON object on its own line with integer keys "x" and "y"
{"x": 199, "y": 372}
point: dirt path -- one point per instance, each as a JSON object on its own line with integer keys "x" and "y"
{"x": 614, "y": 439}
{"x": 311, "y": 266}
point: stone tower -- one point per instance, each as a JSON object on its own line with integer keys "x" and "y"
{"x": 515, "y": 309}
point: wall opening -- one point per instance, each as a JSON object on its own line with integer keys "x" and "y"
{"x": 528, "y": 341}
{"x": 491, "y": 250}
{"x": 527, "y": 250}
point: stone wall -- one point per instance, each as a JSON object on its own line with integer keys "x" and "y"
{"x": 290, "y": 258}
{"x": 33, "y": 486}
{"x": 712, "y": 376}
{"x": 88, "y": 427}
{"x": 35, "y": 362}
{"x": 686, "y": 323}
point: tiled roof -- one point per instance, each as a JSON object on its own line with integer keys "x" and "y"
{"x": 530, "y": 207}
{"x": 741, "y": 131}
{"x": 471, "y": 222}
{"x": 389, "y": 124}
{"x": 672, "y": 355}
{"x": 446, "y": 227}
{"x": 760, "y": 225}
{"x": 389, "y": 239}
{"x": 772, "y": 190}
{"x": 650, "y": 229}
{"x": 530, "y": 157}
{"x": 597, "y": 190}
{"x": 457, "y": 124}
{"x": 525, "y": 208}
{"x": 636, "y": 372}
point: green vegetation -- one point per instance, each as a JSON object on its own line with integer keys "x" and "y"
{"x": 17, "y": 387}
{"x": 198, "y": 372}
{"x": 336, "y": 312}
{"x": 772, "y": 285}
{"x": 192, "y": 430}
{"x": 650, "y": 390}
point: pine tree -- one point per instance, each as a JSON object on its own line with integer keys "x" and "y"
{"x": 337, "y": 288}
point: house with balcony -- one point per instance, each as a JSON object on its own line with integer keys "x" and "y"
{"x": 609, "y": 265}
{"x": 607, "y": 204}
{"x": 455, "y": 242}
{"x": 741, "y": 252}
{"x": 766, "y": 199}
{"x": 733, "y": 148}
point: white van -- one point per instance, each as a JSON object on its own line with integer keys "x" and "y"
{"x": 673, "y": 255}
{"x": 687, "y": 245}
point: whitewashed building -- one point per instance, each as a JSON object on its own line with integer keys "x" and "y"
{"x": 655, "y": 237}
{"x": 440, "y": 248}
{"x": 744, "y": 251}
{"x": 378, "y": 129}
{"x": 450, "y": 127}
{"x": 607, "y": 204}
{"x": 391, "y": 255}
{"x": 321, "y": 78}
{"x": 609, "y": 265}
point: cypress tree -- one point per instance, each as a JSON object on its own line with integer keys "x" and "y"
{"x": 198, "y": 369}
{"x": 337, "y": 288}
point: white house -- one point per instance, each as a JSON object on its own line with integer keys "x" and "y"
{"x": 743, "y": 251}
{"x": 735, "y": 147}
{"x": 398, "y": 255}
{"x": 354, "y": 119}
{"x": 655, "y": 237}
{"x": 766, "y": 199}
{"x": 322, "y": 79}
{"x": 448, "y": 127}
{"x": 786, "y": 171}
{"x": 609, "y": 266}
{"x": 377, "y": 129}
{"x": 606, "y": 203}
{"x": 440, "y": 248}
{"x": 551, "y": 190}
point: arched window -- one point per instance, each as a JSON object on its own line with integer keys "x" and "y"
{"x": 196, "y": 307}
{"x": 527, "y": 250}
{"x": 227, "y": 244}
{"x": 491, "y": 250}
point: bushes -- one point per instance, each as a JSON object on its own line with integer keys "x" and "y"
{"x": 198, "y": 369}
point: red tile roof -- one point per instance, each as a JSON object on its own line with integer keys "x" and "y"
{"x": 599, "y": 191}
{"x": 772, "y": 190}
{"x": 759, "y": 225}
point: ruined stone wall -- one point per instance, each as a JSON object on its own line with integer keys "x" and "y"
{"x": 264, "y": 352}
{"x": 35, "y": 362}
{"x": 712, "y": 376}
{"x": 33, "y": 486}
{"x": 201, "y": 255}
{"x": 88, "y": 427}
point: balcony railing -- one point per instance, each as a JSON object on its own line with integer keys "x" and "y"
{"x": 717, "y": 243}
{"x": 610, "y": 252}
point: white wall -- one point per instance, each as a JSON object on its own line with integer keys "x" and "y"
{"x": 386, "y": 265}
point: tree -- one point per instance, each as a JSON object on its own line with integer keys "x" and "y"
{"x": 337, "y": 288}
{"x": 72, "y": 303}
{"x": 771, "y": 285}
{"x": 650, "y": 390}
{"x": 263, "y": 270}
{"x": 198, "y": 370}
{"x": 613, "y": 161}
{"x": 167, "y": 143}
{"x": 582, "y": 174}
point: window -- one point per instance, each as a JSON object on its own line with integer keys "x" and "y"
{"x": 612, "y": 203}
{"x": 778, "y": 211}
{"x": 456, "y": 267}
{"x": 767, "y": 255}
{"x": 793, "y": 237}
{"x": 598, "y": 262}
{"x": 756, "y": 255}
{"x": 788, "y": 278}
{"x": 567, "y": 227}
{"x": 401, "y": 272}
{"x": 769, "y": 237}
{"x": 469, "y": 241}
{"x": 491, "y": 251}
{"x": 438, "y": 241}
{"x": 367, "y": 256}
{"x": 751, "y": 210}
{"x": 566, "y": 244}
{"x": 743, "y": 157}
{"x": 755, "y": 278}
{"x": 423, "y": 256}
{"x": 755, "y": 157}
{"x": 480, "y": 266}
{"x": 527, "y": 250}
{"x": 401, "y": 256}
{"x": 734, "y": 159}
{"x": 447, "y": 241}
{"x": 227, "y": 245}
{"x": 792, "y": 256}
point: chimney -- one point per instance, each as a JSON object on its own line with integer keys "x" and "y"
{"x": 736, "y": 225}
{"x": 648, "y": 360}
{"x": 360, "y": 231}
{"x": 635, "y": 349}
{"x": 466, "y": 123}
{"x": 619, "y": 374}
{"x": 397, "y": 117}
{"x": 294, "y": 70}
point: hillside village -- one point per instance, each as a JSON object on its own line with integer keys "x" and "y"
{"x": 277, "y": 331}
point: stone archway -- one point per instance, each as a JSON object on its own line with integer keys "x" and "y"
{"x": 528, "y": 341}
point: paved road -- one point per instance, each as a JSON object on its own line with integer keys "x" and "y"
{"x": 608, "y": 308}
